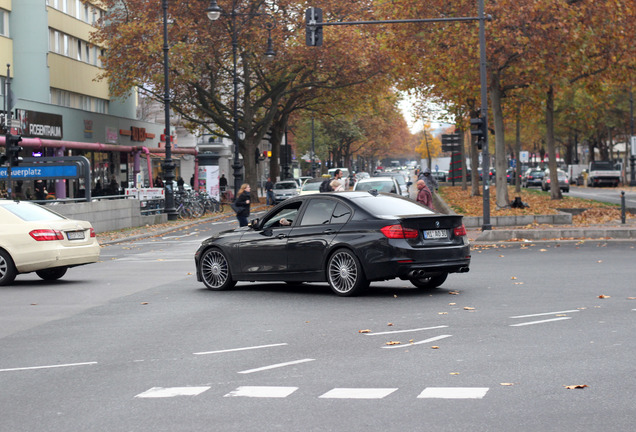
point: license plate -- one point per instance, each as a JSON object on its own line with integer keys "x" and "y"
{"x": 436, "y": 234}
{"x": 75, "y": 235}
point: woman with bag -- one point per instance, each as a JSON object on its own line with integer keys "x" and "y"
{"x": 242, "y": 204}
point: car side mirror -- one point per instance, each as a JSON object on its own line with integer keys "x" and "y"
{"x": 254, "y": 223}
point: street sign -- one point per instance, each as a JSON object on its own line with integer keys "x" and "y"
{"x": 524, "y": 156}
{"x": 450, "y": 142}
{"x": 633, "y": 146}
{"x": 41, "y": 171}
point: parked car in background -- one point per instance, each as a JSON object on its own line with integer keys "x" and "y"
{"x": 401, "y": 180}
{"x": 381, "y": 184}
{"x": 440, "y": 176}
{"x": 311, "y": 186}
{"x": 564, "y": 183}
{"x": 510, "y": 176}
{"x": 532, "y": 177}
{"x": 347, "y": 239}
{"x": 285, "y": 189}
{"x": 36, "y": 239}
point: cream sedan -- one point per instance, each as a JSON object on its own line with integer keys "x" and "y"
{"x": 36, "y": 239}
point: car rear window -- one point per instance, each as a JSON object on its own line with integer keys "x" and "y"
{"x": 289, "y": 185}
{"x": 31, "y": 212}
{"x": 388, "y": 206}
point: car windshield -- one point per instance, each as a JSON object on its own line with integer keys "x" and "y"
{"x": 31, "y": 212}
{"x": 379, "y": 185}
{"x": 387, "y": 206}
{"x": 602, "y": 165}
{"x": 286, "y": 185}
{"x": 312, "y": 186}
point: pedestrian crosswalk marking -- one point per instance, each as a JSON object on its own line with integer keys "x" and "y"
{"x": 453, "y": 393}
{"x": 161, "y": 392}
{"x": 262, "y": 392}
{"x": 358, "y": 393}
{"x": 335, "y": 393}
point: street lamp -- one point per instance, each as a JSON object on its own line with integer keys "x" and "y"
{"x": 168, "y": 164}
{"x": 214, "y": 12}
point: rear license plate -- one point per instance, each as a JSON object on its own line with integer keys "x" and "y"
{"x": 436, "y": 234}
{"x": 75, "y": 235}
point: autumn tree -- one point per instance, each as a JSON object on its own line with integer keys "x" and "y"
{"x": 201, "y": 66}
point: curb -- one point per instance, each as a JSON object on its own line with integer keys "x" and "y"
{"x": 558, "y": 234}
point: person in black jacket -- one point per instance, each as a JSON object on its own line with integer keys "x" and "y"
{"x": 243, "y": 203}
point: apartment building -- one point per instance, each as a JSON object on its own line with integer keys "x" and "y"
{"x": 53, "y": 66}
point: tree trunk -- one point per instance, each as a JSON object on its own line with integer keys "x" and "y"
{"x": 555, "y": 190}
{"x": 500, "y": 144}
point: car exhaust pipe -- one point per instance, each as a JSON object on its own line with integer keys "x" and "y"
{"x": 464, "y": 269}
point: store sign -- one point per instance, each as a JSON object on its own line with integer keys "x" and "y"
{"x": 34, "y": 124}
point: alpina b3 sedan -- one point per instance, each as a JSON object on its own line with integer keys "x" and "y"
{"x": 36, "y": 239}
{"x": 347, "y": 239}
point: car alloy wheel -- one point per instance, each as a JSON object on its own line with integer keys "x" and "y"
{"x": 215, "y": 270}
{"x": 344, "y": 273}
{"x": 7, "y": 269}
{"x": 52, "y": 274}
{"x": 430, "y": 282}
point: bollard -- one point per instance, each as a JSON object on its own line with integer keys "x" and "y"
{"x": 622, "y": 207}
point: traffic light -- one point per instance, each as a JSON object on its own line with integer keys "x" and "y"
{"x": 13, "y": 149}
{"x": 267, "y": 153}
{"x": 479, "y": 129}
{"x": 313, "y": 26}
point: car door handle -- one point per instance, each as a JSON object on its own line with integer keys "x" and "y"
{"x": 281, "y": 236}
{"x": 329, "y": 231}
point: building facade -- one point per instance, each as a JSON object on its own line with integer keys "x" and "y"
{"x": 63, "y": 110}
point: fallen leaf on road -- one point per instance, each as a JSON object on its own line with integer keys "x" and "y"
{"x": 507, "y": 384}
{"x": 513, "y": 278}
{"x": 578, "y": 386}
{"x": 453, "y": 292}
{"x": 603, "y": 296}
{"x": 543, "y": 250}
{"x": 468, "y": 308}
{"x": 364, "y": 331}
{"x": 434, "y": 347}
{"x": 144, "y": 303}
{"x": 454, "y": 373}
{"x": 390, "y": 324}
{"x": 393, "y": 343}
{"x": 599, "y": 261}
{"x": 442, "y": 313}
{"x": 452, "y": 304}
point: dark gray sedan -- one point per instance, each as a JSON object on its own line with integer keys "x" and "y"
{"x": 347, "y": 239}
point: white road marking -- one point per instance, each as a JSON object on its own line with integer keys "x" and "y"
{"x": 453, "y": 393}
{"x": 239, "y": 349}
{"x": 540, "y": 322}
{"x": 358, "y": 393}
{"x": 179, "y": 236}
{"x": 48, "y": 367}
{"x": 406, "y": 345}
{"x": 274, "y": 366}
{"x": 406, "y": 331}
{"x": 262, "y": 392}
{"x": 161, "y": 392}
{"x": 546, "y": 313}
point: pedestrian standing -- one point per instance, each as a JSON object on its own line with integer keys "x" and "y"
{"x": 431, "y": 182}
{"x": 242, "y": 203}
{"x": 40, "y": 190}
{"x": 269, "y": 191}
{"x": 424, "y": 195}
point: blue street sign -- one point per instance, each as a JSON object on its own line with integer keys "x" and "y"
{"x": 41, "y": 171}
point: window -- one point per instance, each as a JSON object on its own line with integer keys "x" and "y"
{"x": 79, "y": 50}
{"x": 66, "y": 45}
{"x": 341, "y": 214}
{"x": 4, "y": 27}
{"x": 319, "y": 211}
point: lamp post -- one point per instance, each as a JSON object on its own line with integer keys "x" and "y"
{"x": 168, "y": 164}
{"x": 214, "y": 12}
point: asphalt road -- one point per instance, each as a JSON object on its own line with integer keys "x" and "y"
{"x": 134, "y": 343}
{"x": 605, "y": 194}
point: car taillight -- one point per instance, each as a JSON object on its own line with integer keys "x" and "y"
{"x": 399, "y": 232}
{"x": 46, "y": 235}
{"x": 92, "y": 234}
{"x": 460, "y": 231}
